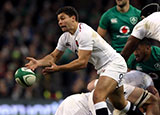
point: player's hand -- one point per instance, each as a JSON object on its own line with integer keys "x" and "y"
{"x": 32, "y": 64}
{"x": 52, "y": 68}
{"x": 152, "y": 89}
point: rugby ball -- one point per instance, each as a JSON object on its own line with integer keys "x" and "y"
{"x": 25, "y": 77}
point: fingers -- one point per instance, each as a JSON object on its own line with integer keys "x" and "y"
{"x": 47, "y": 70}
{"x": 31, "y": 64}
{"x": 30, "y": 67}
{"x": 29, "y": 58}
{"x": 51, "y": 63}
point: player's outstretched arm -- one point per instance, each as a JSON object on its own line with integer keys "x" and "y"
{"x": 80, "y": 63}
{"x": 45, "y": 61}
{"x": 102, "y": 32}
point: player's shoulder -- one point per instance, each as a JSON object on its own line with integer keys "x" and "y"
{"x": 156, "y": 51}
{"x": 135, "y": 9}
{"x": 64, "y": 36}
{"x": 84, "y": 28}
{"x": 153, "y": 15}
{"x": 156, "y": 48}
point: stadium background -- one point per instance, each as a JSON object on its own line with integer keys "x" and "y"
{"x": 29, "y": 28}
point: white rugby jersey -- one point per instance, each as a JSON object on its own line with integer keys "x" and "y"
{"x": 138, "y": 79}
{"x": 85, "y": 38}
{"x": 148, "y": 27}
{"x": 78, "y": 104}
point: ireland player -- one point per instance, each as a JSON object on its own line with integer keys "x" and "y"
{"x": 147, "y": 28}
{"x": 146, "y": 58}
{"x": 119, "y": 22}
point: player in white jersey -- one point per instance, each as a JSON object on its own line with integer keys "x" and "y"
{"x": 136, "y": 95}
{"x": 149, "y": 27}
{"x": 82, "y": 104}
{"x": 77, "y": 104}
{"x": 90, "y": 47}
{"x": 142, "y": 80}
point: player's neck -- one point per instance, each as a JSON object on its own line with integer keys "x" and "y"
{"x": 124, "y": 8}
{"x": 73, "y": 28}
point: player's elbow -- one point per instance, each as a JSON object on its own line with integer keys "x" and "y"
{"x": 83, "y": 64}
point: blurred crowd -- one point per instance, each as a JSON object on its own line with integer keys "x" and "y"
{"x": 29, "y": 28}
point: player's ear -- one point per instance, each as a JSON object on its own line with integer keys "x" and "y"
{"x": 148, "y": 47}
{"x": 73, "y": 17}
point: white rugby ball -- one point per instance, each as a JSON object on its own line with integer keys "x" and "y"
{"x": 25, "y": 77}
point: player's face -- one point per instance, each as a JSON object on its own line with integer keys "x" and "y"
{"x": 140, "y": 53}
{"x": 121, "y": 3}
{"x": 65, "y": 22}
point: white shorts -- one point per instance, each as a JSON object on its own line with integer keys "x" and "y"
{"x": 115, "y": 70}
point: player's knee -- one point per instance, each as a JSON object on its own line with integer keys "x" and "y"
{"x": 98, "y": 97}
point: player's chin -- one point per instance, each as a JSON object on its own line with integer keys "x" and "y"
{"x": 64, "y": 29}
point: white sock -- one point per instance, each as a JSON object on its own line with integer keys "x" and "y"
{"x": 100, "y": 105}
{"x": 127, "y": 107}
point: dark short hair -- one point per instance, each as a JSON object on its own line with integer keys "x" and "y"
{"x": 146, "y": 41}
{"x": 69, "y": 10}
{"x": 149, "y": 9}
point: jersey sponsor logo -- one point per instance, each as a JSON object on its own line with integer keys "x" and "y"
{"x": 133, "y": 20}
{"x": 114, "y": 20}
{"x": 157, "y": 66}
{"x": 124, "y": 30}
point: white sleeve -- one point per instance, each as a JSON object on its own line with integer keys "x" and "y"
{"x": 85, "y": 42}
{"x": 140, "y": 30}
{"x": 61, "y": 43}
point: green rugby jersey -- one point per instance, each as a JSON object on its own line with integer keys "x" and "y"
{"x": 152, "y": 65}
{"x": 119, "y": 25}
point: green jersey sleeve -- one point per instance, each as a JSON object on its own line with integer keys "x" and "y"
{"x": 104, "y": 21}
{"x": 156, "y": 52}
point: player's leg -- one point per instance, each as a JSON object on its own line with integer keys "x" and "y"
{"x": 117, "y": 98}
{"x": 111, "y": 76}
{"x": 143, "y": 98}
{"x": 142, "y": 80}
{"x": 105, "y": 87}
